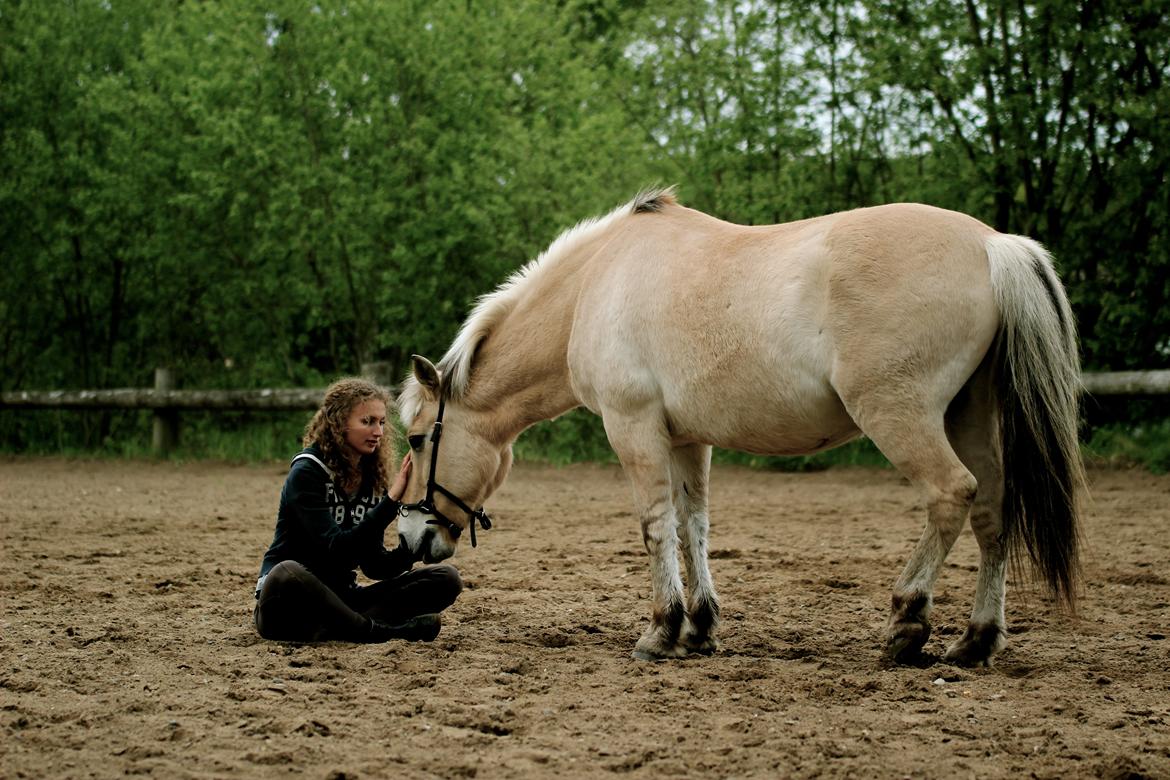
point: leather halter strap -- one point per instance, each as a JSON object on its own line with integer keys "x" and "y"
{"x": 427, "y": 505}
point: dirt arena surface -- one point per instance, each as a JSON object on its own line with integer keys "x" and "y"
{"x": 126, "y": 643}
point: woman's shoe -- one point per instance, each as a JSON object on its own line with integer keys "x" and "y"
{"x": 422, "y": 628}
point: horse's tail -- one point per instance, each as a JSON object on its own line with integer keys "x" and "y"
{"x": 1039, "y": 385}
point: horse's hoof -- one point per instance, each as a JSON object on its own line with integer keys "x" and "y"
{"x": 647, "y": 650}
{"x": 906, "y": 642}
{"x": 642, "y": 655}
{"x": 901, "y": 653}
{"x": 977, "y": 646}
{"x": 955, "y": 657}
{"x": 707, "y": 646}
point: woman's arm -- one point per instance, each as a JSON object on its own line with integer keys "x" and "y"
{"x": 383, "y": 564}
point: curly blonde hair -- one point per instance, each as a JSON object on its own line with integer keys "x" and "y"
{"x": 327, "y": 430}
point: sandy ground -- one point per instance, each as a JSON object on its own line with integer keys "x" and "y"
{"x": 127, "y": 646}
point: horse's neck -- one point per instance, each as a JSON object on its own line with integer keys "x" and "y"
{"x": 521, "y": 374}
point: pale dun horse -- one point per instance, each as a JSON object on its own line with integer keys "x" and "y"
{"x": 951, "y": 346}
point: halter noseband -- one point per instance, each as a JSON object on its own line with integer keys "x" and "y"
{"x": 427, "y": 505}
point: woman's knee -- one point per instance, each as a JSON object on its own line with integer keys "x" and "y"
{"x": 294, "y": 605}
{"x": 447, "y": 581}
{"x": 291, "y": 576}
{"x": 285, "y": 571}
{"x": 284, "y": 581}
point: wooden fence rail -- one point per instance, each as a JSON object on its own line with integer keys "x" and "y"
{"x": 283, "y": 400}
{"x": 1127, "y": 383}
{"x": 167, "y": 402}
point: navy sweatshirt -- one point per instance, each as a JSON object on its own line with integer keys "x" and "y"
{"x": 330, "y": 533}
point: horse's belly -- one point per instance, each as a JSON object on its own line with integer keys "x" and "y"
{"x": 788, "y": 420}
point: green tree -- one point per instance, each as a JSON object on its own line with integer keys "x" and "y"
{"x": 275, "y": 194}
{"x": 74, "y": 201}
{"x": 1062, "y": 114}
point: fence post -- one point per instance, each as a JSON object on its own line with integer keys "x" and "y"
{"x": 166, "y": 421}
{"x": 378, "y": 372}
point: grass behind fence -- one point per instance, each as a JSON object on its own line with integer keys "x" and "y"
{"x": 228, "y": 436}
{"x": 1144, "y": 444}
{"x": 576, "y": 437}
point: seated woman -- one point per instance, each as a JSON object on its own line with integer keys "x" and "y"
{"x": 336, "y": 504}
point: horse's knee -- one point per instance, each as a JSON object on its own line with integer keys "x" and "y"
{"x": 659, "y": 529}
{"x": 691, "y": 526}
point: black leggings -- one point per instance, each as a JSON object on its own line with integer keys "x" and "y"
{"x": 294, "y": 606}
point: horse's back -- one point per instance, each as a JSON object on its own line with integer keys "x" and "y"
{"x": 749, "y": 336}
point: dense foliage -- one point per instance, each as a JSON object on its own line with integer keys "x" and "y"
{"x": 270, "y": 194}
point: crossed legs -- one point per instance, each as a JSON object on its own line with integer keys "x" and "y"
{"x": 295, "y": 606}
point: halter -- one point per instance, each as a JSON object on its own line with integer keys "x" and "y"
{"x": 427, "y": 505}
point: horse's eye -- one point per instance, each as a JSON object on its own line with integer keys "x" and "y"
{"x": 416, "y": 441}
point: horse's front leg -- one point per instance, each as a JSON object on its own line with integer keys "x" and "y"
{"x": 690, "y": 468}
{"x": 644, "y": 450}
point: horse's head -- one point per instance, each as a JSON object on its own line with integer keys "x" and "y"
{"x": 456, "y": 466}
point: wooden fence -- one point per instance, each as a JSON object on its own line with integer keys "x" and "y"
{"x": 167, "y": 402}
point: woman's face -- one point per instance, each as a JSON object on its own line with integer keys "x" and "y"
{"x": 364, "y": 429}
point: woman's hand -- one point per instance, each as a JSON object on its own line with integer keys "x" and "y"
{"x": 399, "y": 486}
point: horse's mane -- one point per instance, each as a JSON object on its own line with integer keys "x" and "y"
{"x": 490, "y": 309}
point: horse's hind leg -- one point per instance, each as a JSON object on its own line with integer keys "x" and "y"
{"x": 973, "y": 429}
{"x": 912, "y": 435}
{"x": 690, "y": 466}
{"x": 643, "y": 447}
{"x": 950, "y": 490}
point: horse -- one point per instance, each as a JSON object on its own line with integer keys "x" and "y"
{"x": 951, "y": 346}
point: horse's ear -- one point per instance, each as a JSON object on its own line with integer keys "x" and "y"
{"x": 426, "y": 374}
